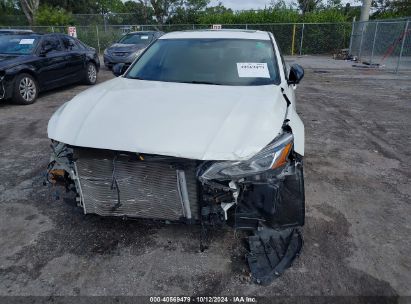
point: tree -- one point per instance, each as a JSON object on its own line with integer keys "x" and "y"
{"x": 11, "y": 13}
{"x": 162, "y": 9}
{"x": 143, "y": 4}
{"x": 188, "y": 11}
{"x": 218, "y": 9}
{"x": 8, "y": 7}
{"x": 73, "y": 6}
{"x": 195, "y": 5}
{"x": 391, "y": 8}
{"x": 165, "y": 9}
{"x": 109, "y": 6}
{"x": 307, "y": 6}
{"x": 47, "y": 15}
{"x": 30, "y": 8}
{"x": 278, "y": 4}
{"x": 140, "y": 13}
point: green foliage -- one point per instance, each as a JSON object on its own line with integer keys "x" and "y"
{"x": 8, "y": 7}
{"x": 141, "y": 14}
{"x": 325, "y": 15}
{"x": 109, "y": 6}
{"x": 218, "y": 9}
{"x": 308, "y": 5}
{"x": 73, "y": 6}
{"x": 391, "y": 9}
{"x": 273, "y": 15}
{"x": 47, "y": 15}
{"x": 186, "y": 11}
{"x": 11, "y": 13}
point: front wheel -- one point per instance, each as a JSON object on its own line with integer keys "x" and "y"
{"x": 25, "y": 89}
{"x": 91, "y": 76}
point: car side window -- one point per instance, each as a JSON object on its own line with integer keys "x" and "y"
{"x": 53, "y": 43}
{"x": 70, "y": 44}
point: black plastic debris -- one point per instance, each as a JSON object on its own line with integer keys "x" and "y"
{"x": 272, "y": 252}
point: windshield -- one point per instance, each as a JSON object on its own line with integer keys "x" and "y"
{"x": 18, "y": 44}
{"x": 136, "y": 39}
{"x": 210, "y": 61}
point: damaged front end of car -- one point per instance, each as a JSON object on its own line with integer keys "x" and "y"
{"x": 268, "y": 194}
{"x": 263, "y": 195}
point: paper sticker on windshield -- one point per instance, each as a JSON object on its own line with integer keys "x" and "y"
{"x": 26, "y": 41}
{"x": 144, "y": 37}
{"x": 253, "y": 70}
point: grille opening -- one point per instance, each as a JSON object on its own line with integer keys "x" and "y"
{"x": 138, "y": 186}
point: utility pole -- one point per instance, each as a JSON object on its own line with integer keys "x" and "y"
{"x": 365, "y": 10}
{"x": 360, "y": 27}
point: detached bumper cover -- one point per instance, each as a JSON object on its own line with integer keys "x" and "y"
{"x": 272, "y": 252}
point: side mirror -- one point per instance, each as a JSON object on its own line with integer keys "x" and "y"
{"x": 46, "y": 49}
{"x": 119, "y": 69}
{"x": 296, "y": 74}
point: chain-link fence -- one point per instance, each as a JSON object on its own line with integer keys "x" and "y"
{"x": 384, "y": 44}
{"x": 293, "y": 38}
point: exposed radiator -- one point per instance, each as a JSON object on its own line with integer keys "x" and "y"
{"x": 151, "y": 188}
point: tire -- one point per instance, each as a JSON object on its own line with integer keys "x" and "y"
{"x": 91, "y": 74}
{"x": 25, "y": 90}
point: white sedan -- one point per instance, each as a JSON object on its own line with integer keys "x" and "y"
{"x": 201, "y": 128}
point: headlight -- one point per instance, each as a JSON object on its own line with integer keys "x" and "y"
{"x": 271, "y": 157}
{"x": 106, "y": 52}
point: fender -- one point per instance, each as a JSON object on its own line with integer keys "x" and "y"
{"x": 297, "y": 128}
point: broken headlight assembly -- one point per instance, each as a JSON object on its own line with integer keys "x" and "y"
{"x": 273, "y": 156}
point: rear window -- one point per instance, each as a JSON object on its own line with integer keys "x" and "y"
{"x": 210, "y": 61}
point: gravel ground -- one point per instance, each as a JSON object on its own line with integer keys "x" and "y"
{"x": 357, "y": 233}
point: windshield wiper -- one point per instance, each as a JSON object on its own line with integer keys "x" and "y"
{"x": 137, "y": 78}
{"x": 201, "y": 82}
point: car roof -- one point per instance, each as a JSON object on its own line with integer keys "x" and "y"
{"x": 15, "y": 31}
{"x": 144, "y": 32}
{"x": 218, "y": 34}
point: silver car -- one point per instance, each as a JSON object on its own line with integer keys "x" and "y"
{"x": 129, "y": 47}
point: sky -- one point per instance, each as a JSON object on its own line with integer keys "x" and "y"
{"x": 242, "y": 4}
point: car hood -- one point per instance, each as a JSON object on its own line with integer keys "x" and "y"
{"x": 195, "y": 121}
{"x": 119, "y": 47}
{"x": 7, "y": 61}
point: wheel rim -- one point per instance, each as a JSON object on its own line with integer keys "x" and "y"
{"x": 92, "y": 73}
{"x": 27, "y": 89}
